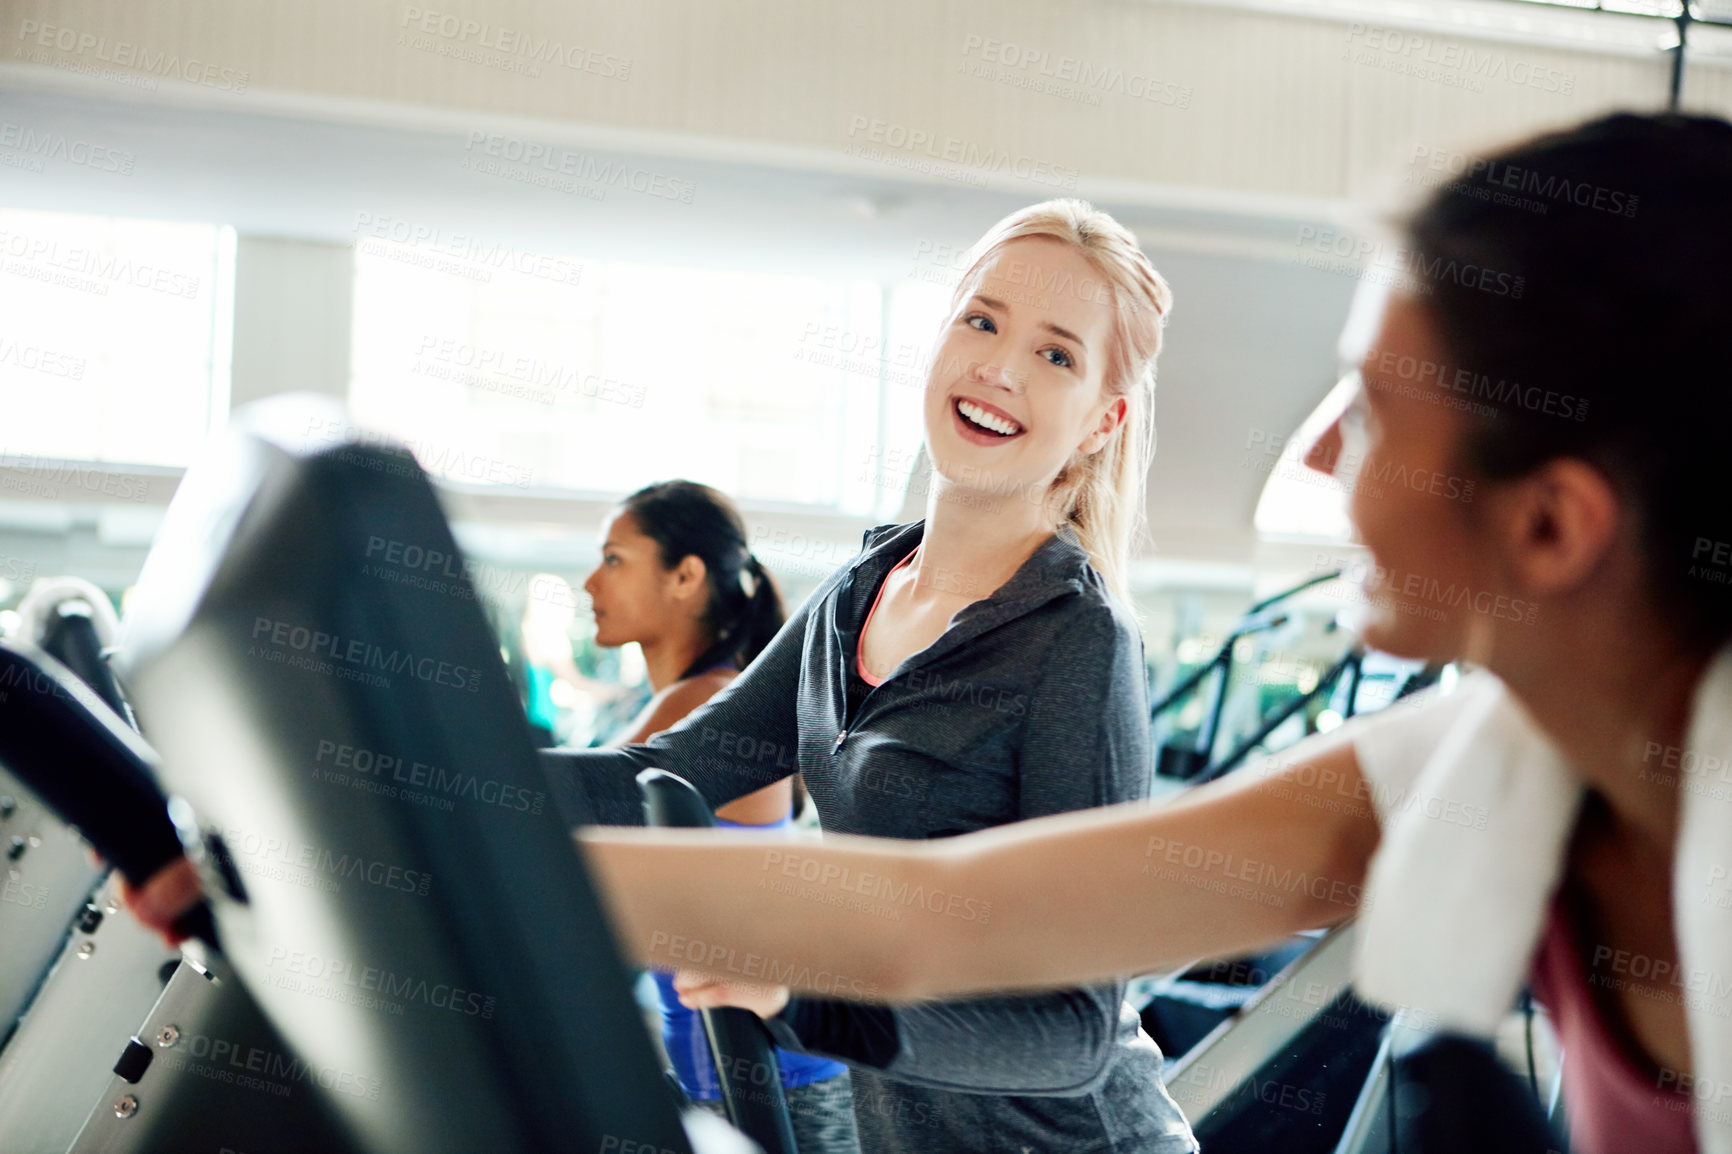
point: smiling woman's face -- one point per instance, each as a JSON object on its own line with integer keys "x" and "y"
{"x": 1015, "y": 387}
{"x": 1432, "y": 583}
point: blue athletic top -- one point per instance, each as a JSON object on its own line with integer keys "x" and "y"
{"x": 689, "y": 1051}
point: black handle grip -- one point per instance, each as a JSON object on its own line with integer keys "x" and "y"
{"x": 72, "y": 640}
{"x": 198, "y": 923}
{"x": 745, "y": 1058}
{"x": 60, "y": 739}
{"x": 671, "y": 800}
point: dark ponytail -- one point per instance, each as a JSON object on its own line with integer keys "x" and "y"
{"x": 1591, "y": 322}
{"x": 744, "y": 609}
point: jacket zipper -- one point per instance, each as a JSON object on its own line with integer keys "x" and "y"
{"x": 849, "y": 723}
{"x": 842, "y": 671}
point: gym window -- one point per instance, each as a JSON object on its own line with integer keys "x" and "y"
{"x": 528, "y": 371}
{"x": 114, "y": 337}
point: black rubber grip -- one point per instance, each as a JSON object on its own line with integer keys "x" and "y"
{"x": 740, "y": 1045}
{"x": 198, "y": 923}
{"x": 65, "y": 743}
{"x": 72, "y": 640}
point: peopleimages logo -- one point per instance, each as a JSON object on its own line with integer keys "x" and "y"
{"x": 540, "y": 379}
{"x": 584, "y": 167}
{"x": 515, "y": 42}
{"x": 487, "y": 256}
{"x": 43, "y": 475}
{"x": 1188, "y": 864}
{"x": 715, "y": 958}
{"x": 57, "y": 146}
{"x": 353, "y": 659}
{"x": 1067, "y": 77}
{"x": 254, "y": 1067}
{"x": 124, "y": 54}
{"x": 17, "y": 892}
{"x": 279, "y": 859}
{"x": 1419, "y": 594}
{"x": 1409, "y": 269}
{"x": 36, "y": 359}
{"x": 90, "y": 269}
{"x": 826, "y": 875}
{"x": 1299, "y": 1098}
{"x": 1381, "y": 370}
{"x": 372, "y": 987}
{"x": 971, "y": 161}
{"x": 419, "y": 782}
{"x": 1504, "y": 183}
{"x": 1447, "y": 62}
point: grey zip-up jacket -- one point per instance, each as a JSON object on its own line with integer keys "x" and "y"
{"x": 1032, "y": 702}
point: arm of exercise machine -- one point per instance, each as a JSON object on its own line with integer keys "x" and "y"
{"x": 739, "y": 1043}
{"x": 86, "y": 764}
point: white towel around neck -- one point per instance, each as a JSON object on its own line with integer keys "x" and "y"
{"x": 1477, "y": 809}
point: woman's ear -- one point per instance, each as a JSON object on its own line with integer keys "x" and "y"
{"x": 689, "y": 578}
{"x": 1558, "y": 524}
{"x": 1111, "y": 419}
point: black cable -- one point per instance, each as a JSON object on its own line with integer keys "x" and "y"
{"x": 1355, "y": 677}
{"x": 1249, "y": 624}
{"x": 1676, "y": 90}
{"x": 1190, "y": 682}
{"x": 1389, "y": 1094}
{"x": 1246, "y": 625}
{"x": 1286, "y": 593}
{"x": 1527, "y": 1004}
{"x": 1325, "y": 684}
{"x": 1415, "y": 682}
{"x": 1528, "y": 1029}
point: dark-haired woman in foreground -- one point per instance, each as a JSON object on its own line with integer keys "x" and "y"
{"x": 677, "y": 577}
{"x": 1590, "y": 847}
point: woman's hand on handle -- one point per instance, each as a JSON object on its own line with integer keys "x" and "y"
{"x": 159, "y": 903}
{"x": 702, "y": 992}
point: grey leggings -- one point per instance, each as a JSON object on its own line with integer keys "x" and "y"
{"x": 822, "y": 1114}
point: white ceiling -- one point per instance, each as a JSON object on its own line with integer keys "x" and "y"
{"x": 1250, "y": 345}
{"x": 345, "y": 114}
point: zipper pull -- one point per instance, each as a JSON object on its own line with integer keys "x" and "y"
{"x": 840, "y": 738}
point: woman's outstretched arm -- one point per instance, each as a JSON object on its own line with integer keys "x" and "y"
{"x": 1057, "y": 901}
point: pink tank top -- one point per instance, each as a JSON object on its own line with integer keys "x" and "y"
{"x": 860, "y": 645}
{"x": 1615, "y": 1104}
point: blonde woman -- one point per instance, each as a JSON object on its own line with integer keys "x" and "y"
{"x": 975, "y": 668}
